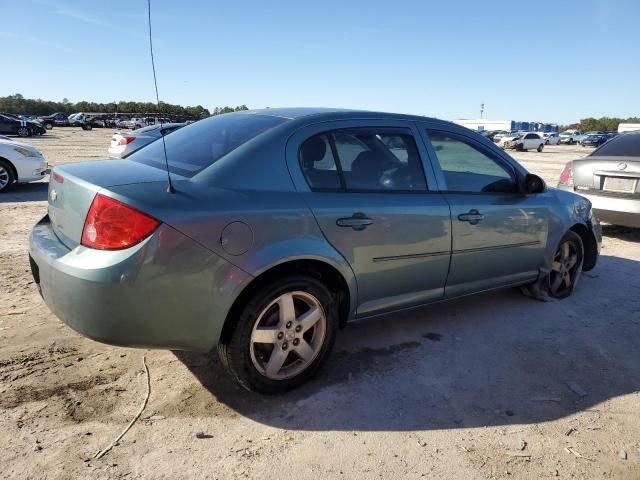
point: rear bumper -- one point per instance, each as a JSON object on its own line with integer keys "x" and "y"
{"x": 166, "y": 292}
{"x": 614, "y": 210}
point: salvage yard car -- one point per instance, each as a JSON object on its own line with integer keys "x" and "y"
{"x": 285, "y": 224}
{"x": 20, "y": 163}
{"x": 570, "y": 137}
{"x": 610, "y": 178}
{"x": 125, "y": 144}
{"x": 58, "y": 119}
{"x": 551, "y": 138}
{"x": 593, "y": 140}
{"x": 13, "y": 125}
{"x": 523, "y": 141}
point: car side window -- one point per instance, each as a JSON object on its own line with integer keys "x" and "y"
{"x": 379, "y": 159}
{"x": 468, "y": 168}
{"x": 318, "y": 164}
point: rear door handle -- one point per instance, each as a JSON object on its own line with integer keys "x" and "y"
{"x": 473, "y": 217}
{"x": 357, "y": 221}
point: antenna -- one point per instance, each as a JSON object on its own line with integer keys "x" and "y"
{"x": 170, "y": 188}
{"x": 481, "y": 109}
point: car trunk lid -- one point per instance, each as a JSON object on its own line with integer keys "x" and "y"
{"x": 73, "y": 187}
{"x": 613, "y": 176}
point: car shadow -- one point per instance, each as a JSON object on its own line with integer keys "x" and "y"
{"x": 486, "y": 360}
{"x": 26, "y": 192}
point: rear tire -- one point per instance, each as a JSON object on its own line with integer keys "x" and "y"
{"x": 7, "y": 178}
{"x": 540, "y": 147}
{"x": 294, "y": 348}
{"x": 48, "y": 125}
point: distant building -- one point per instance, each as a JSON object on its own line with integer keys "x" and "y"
{"x": 482, "y": 124}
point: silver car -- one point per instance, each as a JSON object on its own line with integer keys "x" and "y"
{"x": 280, "y": 226}
{"x": 123, "y": 144}
{"x": 610, "y": 178}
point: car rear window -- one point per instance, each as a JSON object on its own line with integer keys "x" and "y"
{"x": 199, "y": 145}
{"x": 626, "y": 145}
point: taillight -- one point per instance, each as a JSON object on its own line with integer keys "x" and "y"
{"x": 126, "y": 140}
{"x": 57, "y": 177}
{"x": 566, "y": 177}
{"x": 112, "y": 225}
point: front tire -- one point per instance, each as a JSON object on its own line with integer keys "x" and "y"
{"x": 566, "y": 267}
{"x": 23, "y": 132}
{"x": 283, "y": 335}
{"x": 48, "y": 125}
{"x": 7, "y": 177}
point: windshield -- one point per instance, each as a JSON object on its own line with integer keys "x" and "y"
{"x": 627, "y": 145}
{"x": 196, "y": 146}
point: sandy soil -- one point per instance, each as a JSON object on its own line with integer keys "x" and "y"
{"x": 495, "y": 386}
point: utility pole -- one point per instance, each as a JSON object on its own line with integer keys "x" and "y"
{"x": 481, "y": 109}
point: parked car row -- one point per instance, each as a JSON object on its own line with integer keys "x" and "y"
{"x": 87, "y": 121}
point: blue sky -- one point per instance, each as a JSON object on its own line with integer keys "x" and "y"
{"x": 540, "y": 60}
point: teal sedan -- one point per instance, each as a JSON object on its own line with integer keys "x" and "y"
{"x": 261, "y": 234}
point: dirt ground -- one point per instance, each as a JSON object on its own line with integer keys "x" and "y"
{"x": 493, "y": 386}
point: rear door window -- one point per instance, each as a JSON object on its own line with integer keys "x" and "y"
{"x": 380, "y": 159}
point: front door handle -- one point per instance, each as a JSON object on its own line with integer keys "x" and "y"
{"x": 473, "y": 217}
{"x": 357, "y": 221}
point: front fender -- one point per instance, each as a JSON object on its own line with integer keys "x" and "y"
{"x": 570, "y": 210}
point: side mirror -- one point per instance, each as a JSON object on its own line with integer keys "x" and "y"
{"x": 534, "y": 184}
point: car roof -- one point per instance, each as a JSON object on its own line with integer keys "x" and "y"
{"x": 319, "y": 113}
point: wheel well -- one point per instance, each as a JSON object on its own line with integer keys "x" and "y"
{"x": 324, "y": 272}
{"x": 590, "y": 246}
{"x": 12, "y": 167}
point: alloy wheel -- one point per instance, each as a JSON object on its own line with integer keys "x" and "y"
{"x": 288, "y": 335}
{"x": 565, "y": 269}
{"x": 4, "y": 177}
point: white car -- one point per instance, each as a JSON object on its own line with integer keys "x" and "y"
{"x": 20, "y": 163}
{"x": 551, "y": 138}
{"x": 523, "y": 141}
{"x": 570, "y": 136}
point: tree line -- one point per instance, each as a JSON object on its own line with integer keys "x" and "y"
{"x": 19, "y": 105}
{"x": 602, "y": 124}
{"x": 605, "y": 124}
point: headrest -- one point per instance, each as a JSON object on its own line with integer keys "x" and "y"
{"x": 312, "y": 151}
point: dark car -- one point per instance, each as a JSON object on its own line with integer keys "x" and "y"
{"x": 610, "y": 178}
{"x": 13, "y": 125}
{"x": 59, "y": 119}
{"x": 594, "y": 140}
